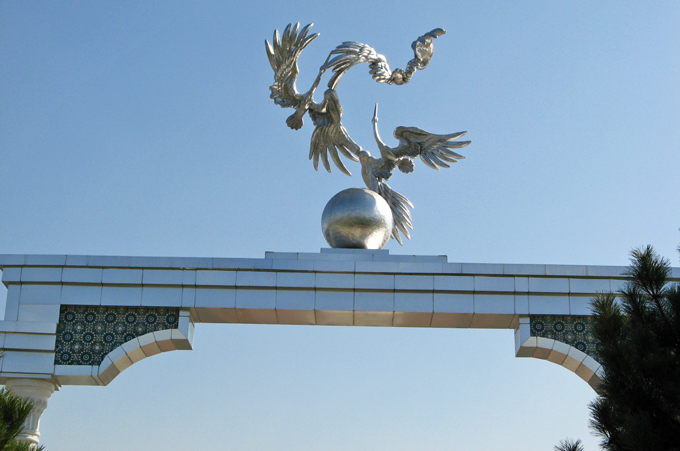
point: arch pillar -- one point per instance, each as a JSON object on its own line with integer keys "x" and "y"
{"x": 38, "y": 391}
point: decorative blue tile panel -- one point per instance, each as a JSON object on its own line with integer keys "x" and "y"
{"x": 86, "y": 334}
{"x": 576, "y": 331}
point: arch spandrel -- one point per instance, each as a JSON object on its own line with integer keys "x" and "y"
{"x": 562, "y": 339}
{"x": 94, "y": 344}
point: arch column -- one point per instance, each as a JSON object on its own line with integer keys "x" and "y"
{"x": 38, "y": 391}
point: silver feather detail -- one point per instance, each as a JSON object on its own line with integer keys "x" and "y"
{"x": 330, "y": 139}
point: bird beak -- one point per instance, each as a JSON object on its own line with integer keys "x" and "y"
{"x": 375, "y": 113}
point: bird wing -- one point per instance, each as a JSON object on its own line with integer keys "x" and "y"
{"x": 401, "y": 214}
{"x": 434, "y": 150}
{"x": 423, "y": 48}
{"x": 330, "y": 136}
{"x": 374, "y": 178}
{"x": 349, "y": 54}
{"x": 283, "y": 53}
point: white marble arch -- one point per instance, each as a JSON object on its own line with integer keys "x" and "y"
{"x": 578, "y": 362}
{"x": 332, "y": 287}
{"x": 130, "y": 352}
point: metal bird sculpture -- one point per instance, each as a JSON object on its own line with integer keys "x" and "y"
{"x": 331, "y": 138}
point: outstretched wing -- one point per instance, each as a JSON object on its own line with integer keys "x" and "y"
{"x": 330, "y": 136}
{"x": 434, "y": 150}
{"x": 283, "y": 53}
{"x": 349, "y": 54}
{"x": 400, "y": 211}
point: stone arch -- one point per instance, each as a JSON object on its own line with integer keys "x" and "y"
{"x": 138, "y": 349}
{"x": 118, "y": 357}
{"x": 528, "y": 344}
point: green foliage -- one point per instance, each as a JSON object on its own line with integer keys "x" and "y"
{"x": 639, "y": 335}
{"x": 21, "y": 446}
{"x": 13, "y": 412}
{"x": 569, "y": 445}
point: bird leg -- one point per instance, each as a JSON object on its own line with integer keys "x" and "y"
{"x": 295, "y": 120}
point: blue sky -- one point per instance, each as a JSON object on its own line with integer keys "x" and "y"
{"x": 146, "y": 128}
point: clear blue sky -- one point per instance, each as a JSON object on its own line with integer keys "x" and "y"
{"x": 146, "y": 128}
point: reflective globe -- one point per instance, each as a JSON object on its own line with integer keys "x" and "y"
{"x": 357, "y": 218}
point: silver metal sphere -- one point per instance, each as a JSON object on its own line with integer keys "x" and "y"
{"x": 357, "y": 218}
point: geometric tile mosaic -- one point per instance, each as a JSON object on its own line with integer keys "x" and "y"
{"x": 576, "y": 331}
{"x": 86, "y": 333}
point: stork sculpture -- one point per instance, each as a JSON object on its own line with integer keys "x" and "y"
{"x": 331, "y": 138}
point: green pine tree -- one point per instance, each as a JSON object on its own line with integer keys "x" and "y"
{"x": 638, "y": 407}
{"x": 569, "y": 445}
